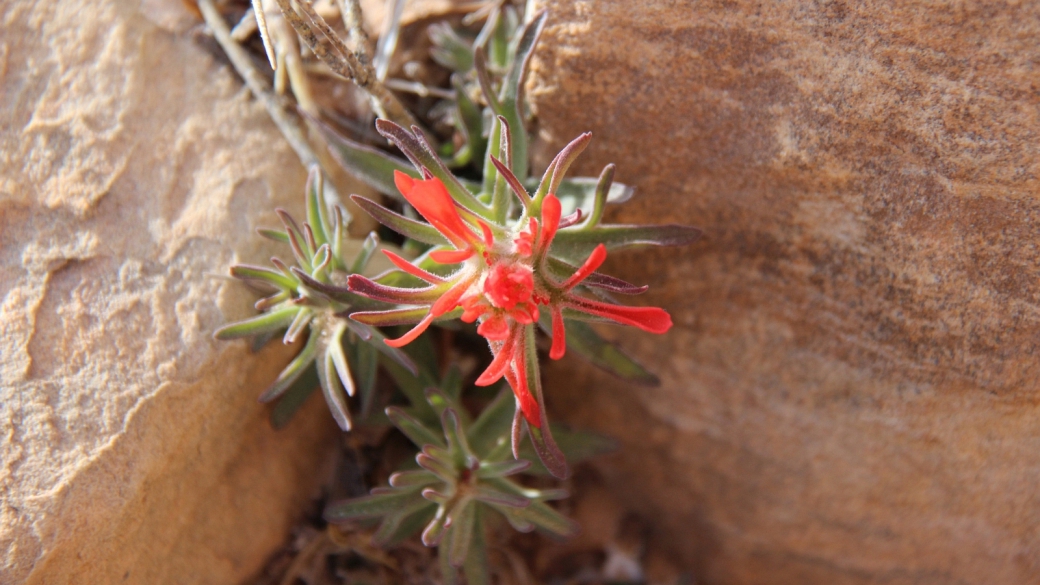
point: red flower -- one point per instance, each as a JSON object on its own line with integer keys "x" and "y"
{"x": 503, "y": 292}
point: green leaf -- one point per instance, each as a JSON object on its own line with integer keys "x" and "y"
{"x": 418, "y": 433}
{"x": 511, "y": 94}
{"x": 548, "y": 519}
{"x": 541, "y": 436}
{"x": 470, "y": 117}
{"x": 463, "y": 521}
{"x": 409, "y": 228}
{"x": 582, "y": 192}
{"x": 449, "y": 49}
{"x": 449, "y": 574}
{"x": 293, "y": 371}
{"x": 371, "y": 506}
{"x": 275, "y": 235}
{"x": 366, "y": 367}
{"x": 264, "y": 323}
{"x": 373, "y": 166}
{"x": 418, "y": 151}
{"x": 476, "y": 568}
{"x": 486, "y": 493}
{"x": 576, "y": 243}
{"x": 316, "y": 206}
{"x": 503, "y": 468}
{"x": 563, "y": 270}
{"x": 413, "y": 478}
{"x": 576, "y": 445}
{"x": 378, "y": 341}
{"x": 274, "y": 277}
{"x": 294, "y": 397}
{"x": 365, "y": 254}
{"x": 335, "y": 396}
{"x": 491, "y": 429}
{"x": 398, "y": 527}
{"x": 584, "y": 341}
{"x": 457, "y": 443}
{"x": 556, "y": 170}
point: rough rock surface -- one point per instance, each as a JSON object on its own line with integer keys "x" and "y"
{"x": 133, "y": 169}
{"x": 850, "y": 392}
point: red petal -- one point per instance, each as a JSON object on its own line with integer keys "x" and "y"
{"x": 412, "y": 269}
{"x": 559, "y": 335}
{"x": 404, "y": 183}
{"x": 499, "y": 366}
{"x": 517, "y": 378}
{"x": 550, "y": 221}
{"x": 431, "y": 199}
{"x": 489, "y": 238}
{"x": 411, "y": 335}
{"x": 494, "y": 328}
{"x": 450, "y": 299}
{"x": 451, "y": 256}
{"x": 594, "y": 261}
{"x": 652, "y": 319}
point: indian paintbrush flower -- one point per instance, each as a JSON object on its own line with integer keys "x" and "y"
{"x": 505, "y": 277}
{"x": 504, "y": 254}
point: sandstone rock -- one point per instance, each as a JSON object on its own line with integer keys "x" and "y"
{"x": 133, "y": 169}
{"x": 850, "y": 392}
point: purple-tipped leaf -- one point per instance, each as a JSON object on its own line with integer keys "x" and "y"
{"x": 409, "y": 228}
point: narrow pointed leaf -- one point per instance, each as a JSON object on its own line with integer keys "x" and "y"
{"x": 489, "y": 495}
{"x": 492, "y": 426}
{"x": 373, "y": 166}
{"x": 315, "y": 191}
{"x": 449, "y": 574}
{"x": 515, "y": 517}
{"x": 247, "y": 272}
{"x": 503, "y": 468}
{"x": 409, "y": 228}
{"x": 403, "y": 526}
{"x": 563, "y": 270}
{"x": 366, "y": 365}
{"x": 292, "y": 371}
{"x": 477, "y": 568}
{"x": 576, "y": 243}
{"x": 294, "y": 397}
{"x": 373, "y": 506}
{"x": 264, "y": 323}
{"x": 583, "y": 340}
{"x": 470, "y": 120}
{"x": 511, "y": 95}
{"x": 457, "y": 443}
{"x": 556, "y": 170}
{"x": 415, "y": 147}
{"x": 576, "y": 445}
{"x": 339, "y": 357}
{"x": 378, "y": 342}
{"x": 414, "y": 429}
{"x": 335, "y": 397}
{"x": 463, "y": 522}
{"x": 413, "y": 478}
{"x": 545, "y": 518}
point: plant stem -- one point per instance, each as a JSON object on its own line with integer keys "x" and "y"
{"x": 277, "y": 106}
{"x": 328, "y": 47}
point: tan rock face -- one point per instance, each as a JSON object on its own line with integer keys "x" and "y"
{"x": 850, "y": 392}
{"x": 133, "y": 169}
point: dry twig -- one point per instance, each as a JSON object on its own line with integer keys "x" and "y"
{"x": 277, "y": 106}
{"x": 332, "y": 51}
